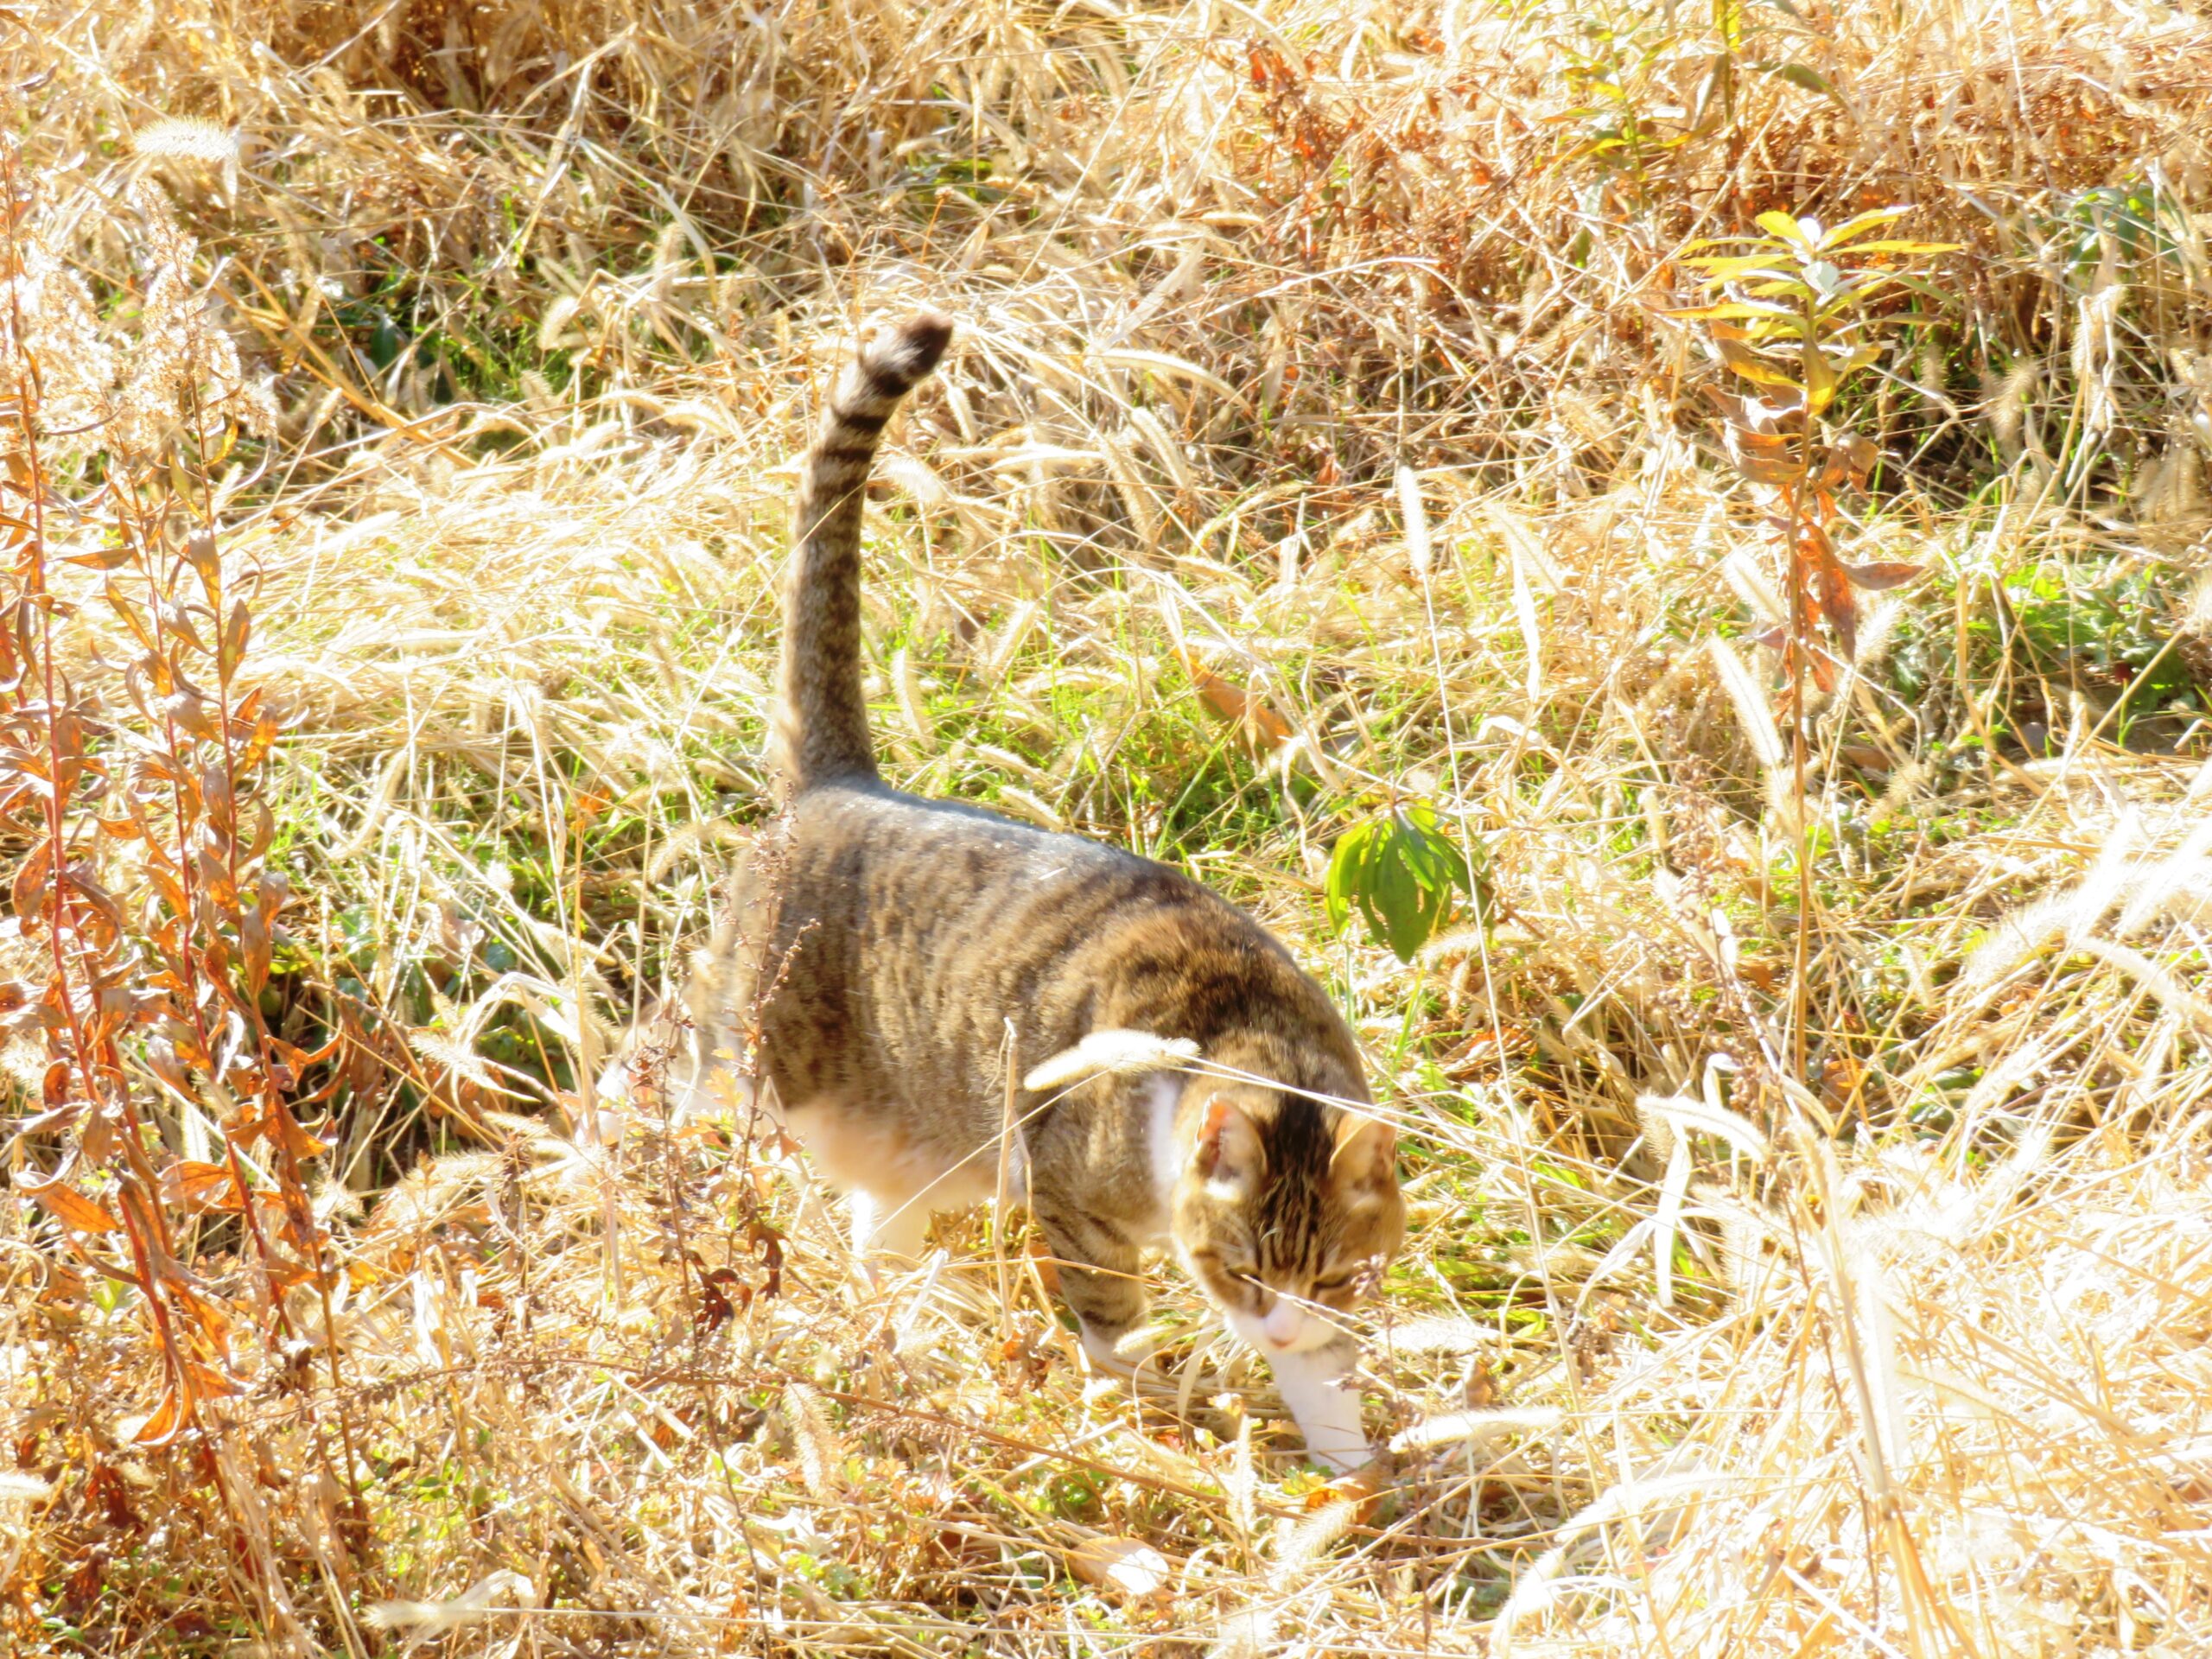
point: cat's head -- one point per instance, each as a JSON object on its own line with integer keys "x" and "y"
{"x": 1287, "y": 1211}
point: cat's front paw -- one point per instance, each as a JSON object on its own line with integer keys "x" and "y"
{"x": 1104, "y": 1347}
{"x": 1318, "y": 1387}
{"x": 1341, "y": 1459}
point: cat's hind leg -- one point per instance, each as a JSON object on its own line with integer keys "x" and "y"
{"x": 1101, "y": 1282}
{"x": 887, "y": 1224}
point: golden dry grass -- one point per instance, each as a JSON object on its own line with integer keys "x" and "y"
{"x": 1908, "y": 1354}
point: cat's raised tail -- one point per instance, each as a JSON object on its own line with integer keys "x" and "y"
{"x": 820, "y": 718}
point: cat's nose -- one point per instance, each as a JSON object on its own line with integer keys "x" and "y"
{"x": 1281, "y": 1326}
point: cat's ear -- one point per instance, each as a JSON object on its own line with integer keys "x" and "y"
{"x": 1226, "y": 1154}
{"x": 1366, "y": 1152}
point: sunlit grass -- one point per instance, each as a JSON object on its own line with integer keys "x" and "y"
{"x": 1904, "y": 1355}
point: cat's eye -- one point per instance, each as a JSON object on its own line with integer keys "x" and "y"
{"x": 1333, "y": 1283}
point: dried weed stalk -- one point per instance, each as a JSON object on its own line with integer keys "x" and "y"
{"x": 145, "y": 915}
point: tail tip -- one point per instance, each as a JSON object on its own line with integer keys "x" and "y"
{"x": 908, "y": 352}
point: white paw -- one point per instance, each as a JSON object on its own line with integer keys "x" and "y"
{"x": 1343, "y": 1459}
{"x": 1105, "y": 1353}
{"x": 1317, "y": 1389}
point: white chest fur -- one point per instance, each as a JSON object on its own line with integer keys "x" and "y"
{"x": 1163, "y": 1093}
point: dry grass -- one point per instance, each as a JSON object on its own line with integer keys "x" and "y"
{"x": 1910, "y": 1354}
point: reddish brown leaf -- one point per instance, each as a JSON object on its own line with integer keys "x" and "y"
{"x": 129, "y": 614}
{"x": 263, "y": 830}
{"x": 68, "y": 737}
{"x": 721, "y": 1293}
{"x": 200, "y": 553}
{"x": 189, "y": 710}
{"x": 186, "y": 1041}
{"x": 1883, "y": 574}
{"x": 106, "y": 1488}
{"x": 195, "y": 1188}
{"x": 216, "y": 798}
{"x": 1260, "y": 726}
{"x": 208, "y": 1383}
{"x": 24, "y": 1010}
{"x": 90, "y": 892}
{"x": 1735, "y": 349}
{"x": 172, "y": 893}
{"x": 257, "y": 746}
{"x": 69, "y": 1207}
{"x": 300, "y": 1060}
{"x": 1761, "y": 457}
{"x": 95, "y": 1144}
{"x": 328, "y": 1089}
{"x": 1831, "y": 588}
{"x": 772, "y": 1253}
{"x": 253, "y": 941}
{"x": 236, "y": 630}
{"x": 1853, "y": 458}
{"x": 291, "y": 1136}
{"x": 102, "y": 558}
{"x": 1757, "y": 417}
{"x": 285, "y": 1271}
{"x": 33, "y": 883}
{"x": 59, "y": 1118}
{"x": 168, "y": 1419}
{"x": 1825, "y": 675}
{"x": 215, "y": 881}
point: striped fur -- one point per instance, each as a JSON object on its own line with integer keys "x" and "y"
{"x": 821, "y": 717}
{"x": 884, "y": 952}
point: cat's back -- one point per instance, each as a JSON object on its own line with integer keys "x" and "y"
{"x": 928, "y": 925}
{"x": 896, "y": 864}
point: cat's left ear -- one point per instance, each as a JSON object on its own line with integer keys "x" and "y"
{"x": 1227, "y": 1155}
{"x": 1366, "y": 1152}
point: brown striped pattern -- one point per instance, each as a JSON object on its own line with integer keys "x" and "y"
{"x": 821, "y": 725}
{"x": 898, "y": 941}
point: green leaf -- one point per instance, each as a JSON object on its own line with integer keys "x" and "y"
{"x": 1403, "y": 874}
{"x": 1732, "y": 267}
{"x": 1799, "y": 74}
{"x": 1927, "y": 290}
{"x": 1754, "y": 368}
{"x": 1682, "y": 254}
{"x": 1902, "y": 247}
{"x": 1859, "y": 225}
{"x": 1733, "y": 311}
{"x": 1821, "y": 379}
{"x": 1783, "y": 227}
{"x": 1343, "y": 881}
{"x": 1780, "y": 285}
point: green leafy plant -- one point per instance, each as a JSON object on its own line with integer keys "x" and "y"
{"x": 1797, "y": 313}
{"x": 1797, "y": 318}
{"x": 2128, "y": 224}
{"x": 1404, "y": 875}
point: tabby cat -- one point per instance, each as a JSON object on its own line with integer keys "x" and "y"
{"x": 889, "y": 942}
